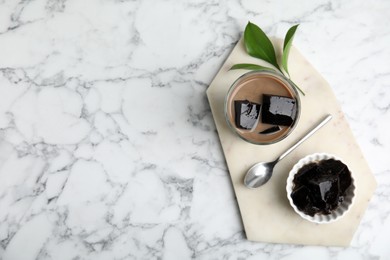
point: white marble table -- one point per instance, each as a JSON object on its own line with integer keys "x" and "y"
{"x": 108, "y": 149}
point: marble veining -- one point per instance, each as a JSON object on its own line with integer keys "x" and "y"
{"x": 108, "y": 149}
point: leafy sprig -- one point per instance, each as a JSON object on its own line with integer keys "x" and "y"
{"x": 258, "y": 45}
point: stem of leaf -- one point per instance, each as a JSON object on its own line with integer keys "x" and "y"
{"x": 295, "y": 85}
{"x": 299, "y": 89}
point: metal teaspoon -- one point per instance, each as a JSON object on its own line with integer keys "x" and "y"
{"x": 261, "y": 172}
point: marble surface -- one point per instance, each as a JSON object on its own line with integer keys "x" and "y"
{"x": 108, "y": 149}
{"x": 266, "y": 213}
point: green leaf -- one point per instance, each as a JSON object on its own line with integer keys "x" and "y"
{"x": 258, "y": 45}
{"x": 248, "y": 66}
{"x": 287, "y": 46}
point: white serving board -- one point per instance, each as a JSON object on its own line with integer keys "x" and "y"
{"x": 266, "y": 213}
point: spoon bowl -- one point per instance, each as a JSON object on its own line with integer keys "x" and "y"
{"x": 261, "y": 172}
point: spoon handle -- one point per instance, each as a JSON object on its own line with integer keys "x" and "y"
{"x": 310, "y": 133}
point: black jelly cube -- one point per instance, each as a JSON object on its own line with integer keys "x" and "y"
{"x": 270, "y": 130}
{"x": 246, "y": 113}
{"x": 345, "y": 180}
{"x": 331, "y": 165}
{"x": 305, "y": 173}
{"x": 301, "y": 197}
{"x": 338, "y": 169}
{"x": 325, "y": 191}
{"x": 278, "y": 110}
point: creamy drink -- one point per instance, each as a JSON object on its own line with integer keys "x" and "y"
{"x": 262, "y": 107}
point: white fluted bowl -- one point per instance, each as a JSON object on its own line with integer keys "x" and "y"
{"x": 320, "y": 218}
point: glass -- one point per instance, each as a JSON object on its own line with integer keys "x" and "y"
{"x": 251, "y": 86}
